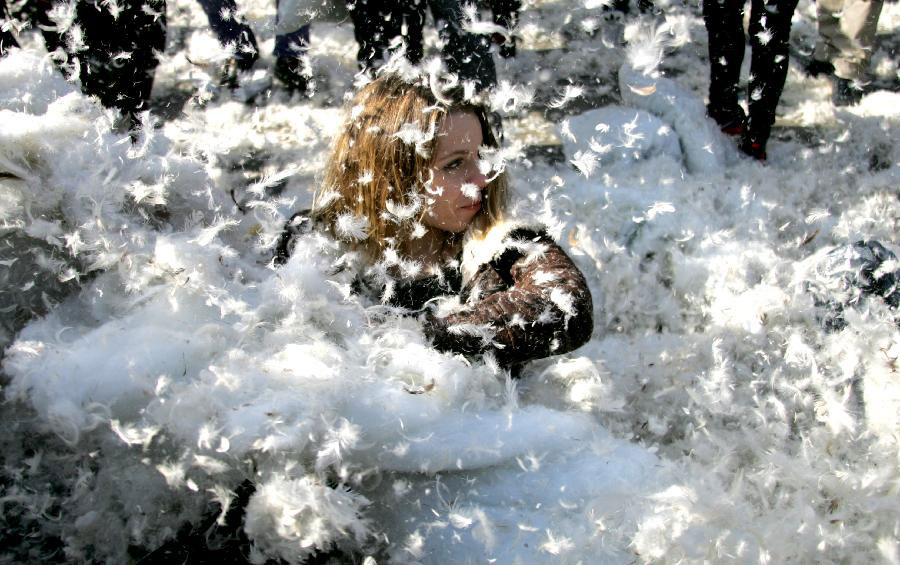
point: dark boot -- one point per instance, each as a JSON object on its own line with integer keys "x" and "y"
{"x": 754, "y": 149}
{"x": 292, "y": 73}
{"x": 291, "y": 64}
{"x": 138, "y": 31}
{"x": 816, "y": 67}
{"x": 732, "y": 121}
{"x": 845, "y": 92}
{"x": 231, "y": 30}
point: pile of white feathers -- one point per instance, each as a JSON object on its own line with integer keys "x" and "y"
{"x": 154, "y": 359}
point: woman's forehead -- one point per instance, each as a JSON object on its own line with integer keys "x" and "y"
{"x": 459, "y": 130}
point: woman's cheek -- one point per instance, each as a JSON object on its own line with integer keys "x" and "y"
{"x": 451, "y": 187}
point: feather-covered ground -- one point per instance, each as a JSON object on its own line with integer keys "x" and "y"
{"x": 153, "y": 360}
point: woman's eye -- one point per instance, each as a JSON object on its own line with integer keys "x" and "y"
{"x": 453, "y": 165}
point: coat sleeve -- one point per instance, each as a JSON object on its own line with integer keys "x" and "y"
{"x": 529, "y": 302}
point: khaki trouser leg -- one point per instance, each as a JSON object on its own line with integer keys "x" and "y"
{"x": 846, "y": 35}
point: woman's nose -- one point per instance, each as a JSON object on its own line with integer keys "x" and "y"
{"x": 476, "y": 177}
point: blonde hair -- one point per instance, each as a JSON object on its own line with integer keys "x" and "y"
{"x": 371, "y": 194}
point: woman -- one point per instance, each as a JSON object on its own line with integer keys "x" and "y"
{"x": 406, "y": 188}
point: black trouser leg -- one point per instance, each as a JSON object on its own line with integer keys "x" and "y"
{"x": 623, "y": 6}
{"x": 770, "y": 30}
{"x": 231, "y": 30}
{"x": 371, "y": 31}
{"x": 724, "y": 25}
{"x": 646, "y": 6}
{"x": 414, "y": 17}
{"x": 376, "y": 23}
{"x": 6, "y": 41}
{"x": 227, "y": 30}
{"x": 467, "y": 55}
{"x": 506, "y": 12}
{"x": 119, "y": 58}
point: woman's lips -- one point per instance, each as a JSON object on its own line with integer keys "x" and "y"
{"x": 472, "y": 207}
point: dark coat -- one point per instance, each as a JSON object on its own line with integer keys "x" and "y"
{"x": 514, "y": 294}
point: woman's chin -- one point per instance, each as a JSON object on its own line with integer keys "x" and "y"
{"x": 456, "y": 226}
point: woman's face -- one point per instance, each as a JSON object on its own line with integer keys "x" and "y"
{"x": 455, "y": 195}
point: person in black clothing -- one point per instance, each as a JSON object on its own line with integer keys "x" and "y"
{"x": 624, "y": 6}
{"x": 117, "y": 58}
{"x": 506, "y": 14}
{"x": 377, "y": 23}
{"x": 770, "y": 29}
{"x": 466, "y": 54}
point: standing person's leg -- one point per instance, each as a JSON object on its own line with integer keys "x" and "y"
{"x": 466, "y": 54}
{"x": 371, "y": 30}
{"x": 506, "y": 14}
{"x": 623, "y": 6}
{"x": 770, "y": 31}
{"x": 229, "y": 29}
{"x": 414, "y": 19}
{"x": 725, "y": 28}
{"x": 292, "y": 45}
{"x": 118, "y": 60}
{"x": 376, "y": 24}
{"x": 291, "y": 64}
{"x": 847, "y": 34}
{"x": 828, "y": 25}
{"x": 37, "y": 13}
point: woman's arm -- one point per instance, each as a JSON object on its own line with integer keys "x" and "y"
{"x": 528, "y": 303}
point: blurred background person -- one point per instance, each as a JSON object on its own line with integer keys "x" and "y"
{"x": 844, "y": 45}
{"x": 505, "y": 14}
{"x": 113, "y": 53}
{"x": 291, "y": 67}
{"x": 377, "y": 23}
{"x": 466, "y": 54}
